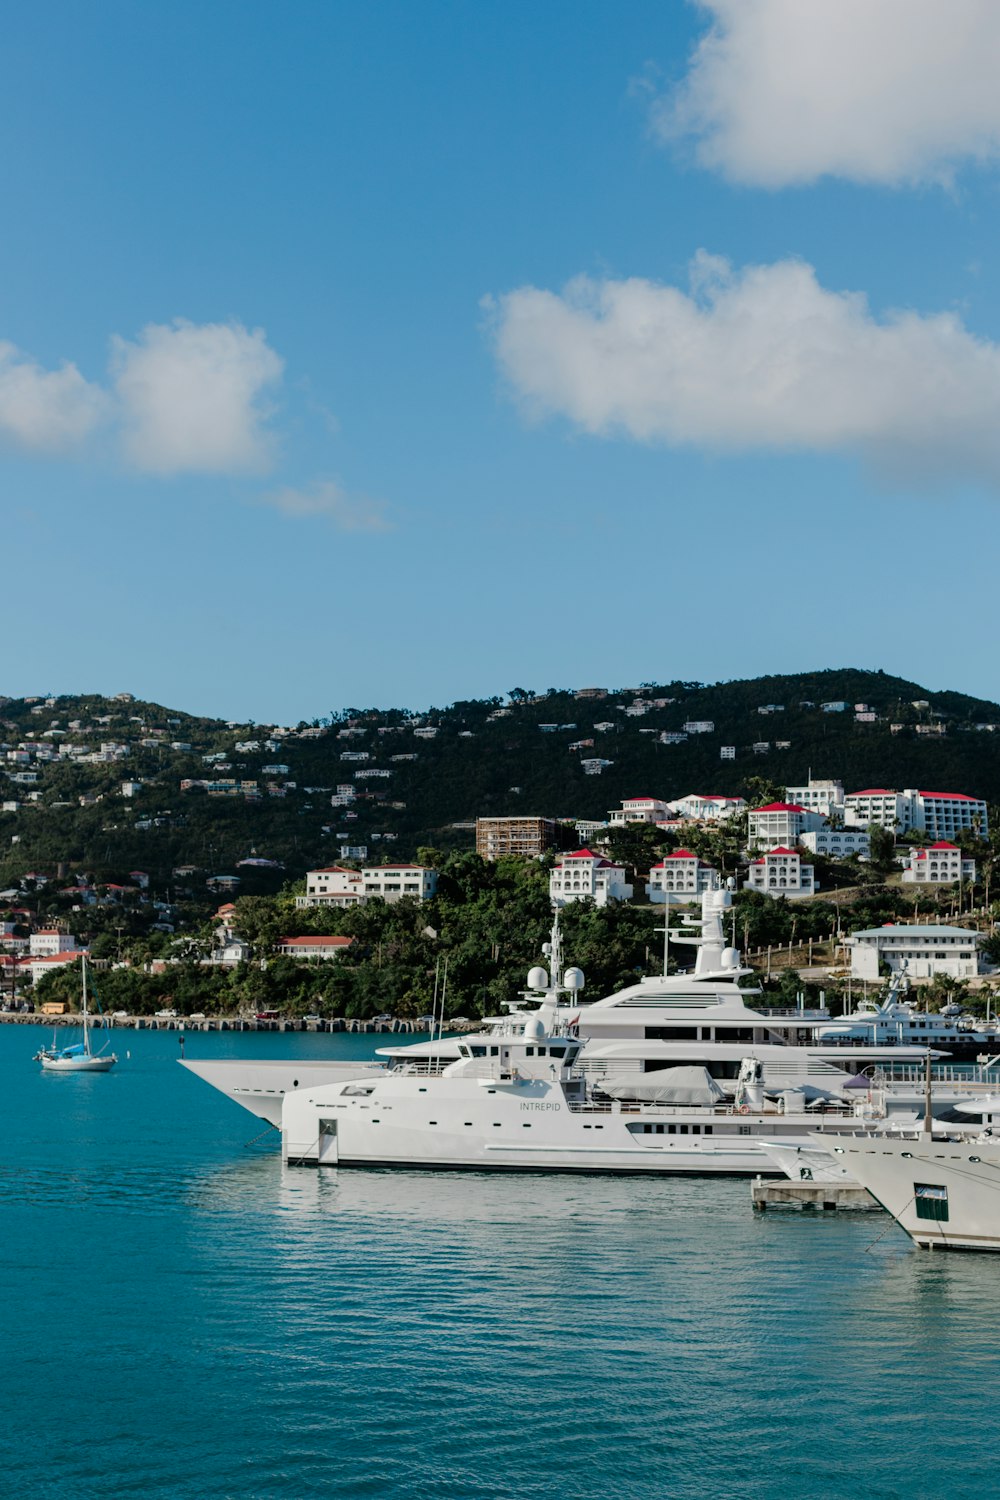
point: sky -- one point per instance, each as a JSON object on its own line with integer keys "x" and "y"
{"x": 366, "y": 353}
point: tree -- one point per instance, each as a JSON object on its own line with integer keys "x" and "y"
{"x": 759, "y": 790}
{"x": 883, "y": 847}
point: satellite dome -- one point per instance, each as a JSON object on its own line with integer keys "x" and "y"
{"x": 573, "y": 979}
{"x": 538, "y": 978}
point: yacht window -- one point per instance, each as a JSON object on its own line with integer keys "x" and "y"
{"x": 462, "y": 1051}
{"x": 684, "y": 1130}
{"x": 557, "y": 1051}
{"x": 494, "y": 1051}
{"x": 696, "y": 1130}
{"x": 671, "y": 1130}
{"x": 931, "y": 1201}
{"x": 709, "y": 1129}
{"x": 659, "y": 1129}
{"x": 529, "y": 1051}
{"x": 671, "y": 1033}
{"x": 541, "y": 1051}
{"x": 478, "y": 1051}
{"x": 358, "y": 1088}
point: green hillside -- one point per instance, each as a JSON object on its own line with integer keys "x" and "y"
{"x": 488, "y": 756}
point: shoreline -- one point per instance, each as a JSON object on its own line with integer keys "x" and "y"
{"x": 216, "y": 1023}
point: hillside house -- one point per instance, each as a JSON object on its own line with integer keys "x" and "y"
{"x": 780, "y": 872}
{"x": 940, "y": 863}
{"x": 584, "y": 875}
{"x": 680, "y": 876}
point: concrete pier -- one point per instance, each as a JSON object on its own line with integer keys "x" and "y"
{"x": 826, "y": 1196}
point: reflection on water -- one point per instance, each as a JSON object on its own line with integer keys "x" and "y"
{"x": 187, "y": 1318}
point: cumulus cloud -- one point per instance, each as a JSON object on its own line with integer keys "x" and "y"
{"x": 762, "y": 358}
{"x": 46, "y": 410}
{"x": 782, "y": 92}
{"x": 326, "y": 498}
{"x": 193, "y": 397}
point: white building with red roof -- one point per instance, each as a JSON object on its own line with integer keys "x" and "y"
{"x": 941, "y": 815}
{"x": 585, "y": 874}
{"x": 393, "y": 882}
{"x": 339, "y": 885}
{"x": 780, "y": 872}
{"x": 312, "y": 947}
{"x": 781, "y": 823}
{"x": 878, "y": 804}
{"x": 707, "y": 807}
{"x": 335, "y": 885}
{"x": 40, "y": 964}
{"x": 48, "y": 941}
{"x": 639, "y": 810}
{"x": 680, "y": 876}
{"x": 939, "y": 863}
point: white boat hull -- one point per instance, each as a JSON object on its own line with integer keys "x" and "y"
{"x": 945, "y": 1194}
{"x": 530, "y": 1126}
{"x": 78, "y": 1064}
{"x": 261, "y": 1086}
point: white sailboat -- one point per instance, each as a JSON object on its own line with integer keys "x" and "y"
{"x": 78, "y": 1058}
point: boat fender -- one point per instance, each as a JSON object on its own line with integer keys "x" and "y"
{"x": 744, "y": 1109}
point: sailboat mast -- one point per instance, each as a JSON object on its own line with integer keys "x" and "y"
{"x": 86, "y": 1033}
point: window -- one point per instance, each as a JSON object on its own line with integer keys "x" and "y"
{"x": 931, "y": 1201}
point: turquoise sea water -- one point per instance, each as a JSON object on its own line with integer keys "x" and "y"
{"x": 182, "y": 1317}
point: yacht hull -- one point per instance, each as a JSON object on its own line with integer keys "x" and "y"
{"x": 943, "y": 1193}
{"x": 530, "y": 1126}
{"x": 261, "y": 1086}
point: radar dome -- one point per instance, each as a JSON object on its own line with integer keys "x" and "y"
{"x": 730, "y": 958}
{"x": 538, "y": 978}
{"x": 534, "y": 1029}
{"x": 573, "y": 979}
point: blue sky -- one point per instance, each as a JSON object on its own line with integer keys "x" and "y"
{"x": 303, "y": 401}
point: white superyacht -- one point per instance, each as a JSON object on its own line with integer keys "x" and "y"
{"x": 672, "y": 1075}
{"x": 700, "y": 1019}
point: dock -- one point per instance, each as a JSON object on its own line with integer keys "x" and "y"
{"x": 826, "y": 1197}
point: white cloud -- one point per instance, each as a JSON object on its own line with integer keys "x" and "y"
{"x": 46, "y": 410}
{"x": 781, "y": 92}
{"x": 192, "y": 397}
{"x": 325, "y": 498}
{"x": 763, "y": 358}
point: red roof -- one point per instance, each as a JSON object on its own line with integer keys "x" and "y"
{"x": 600, "y": 863}
{"x": 950, "y": 796}
{"x": 682, "y": 854}
{"x": 943, "y": 844}
{"x": 874, "y": 791}
{"x": 779, "y": 807}
{"x": 781, "y": 850}
{"x": 315, "y": 942}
